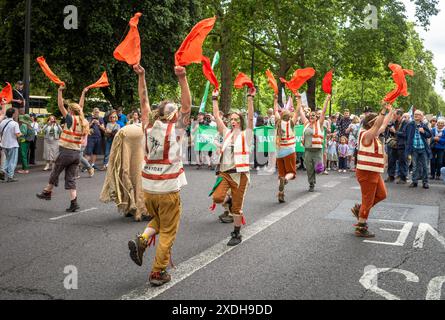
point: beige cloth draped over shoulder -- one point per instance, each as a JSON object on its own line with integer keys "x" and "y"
{"x": 123, "y": 182}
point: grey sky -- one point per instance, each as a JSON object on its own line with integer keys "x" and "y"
{"x": 433, "y": 39}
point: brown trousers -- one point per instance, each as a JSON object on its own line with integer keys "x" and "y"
{"x": 238, "y": 192}
{"x": 287, "y": 165}
{"x": 373, "y": 190}
{"x": 166, "y": 210}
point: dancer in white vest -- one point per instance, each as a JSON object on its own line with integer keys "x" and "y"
{"x": 286, "y": 146}
{"x": 313, "y": 135}
{"x": 75, "y": 128}
{"x": 234, "y": 164}
{"x": 162, "y": 175}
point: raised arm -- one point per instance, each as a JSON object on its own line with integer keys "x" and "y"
{"x": 219, "y": 122}
{"x": 276, "y": 108}
{"x": 325, "y": 107}
{"x": 373, "y": 133}
{"x": 143, "y": 94}
{"x": 3, "y": 112}
{"x": 60, "y": 101}
{"x": 186, "y": 98}
{"x": 296, "y": 113}
{"x": 302, "y": 115}
{"x": 82, "y": 98}
{"x": 250, "y": 108}
{"x": 386, "y": 121}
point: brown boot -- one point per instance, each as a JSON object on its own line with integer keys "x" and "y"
{"x": 137, "y": 248}
{"x": 159, "y": 278}
{"x": 281, "y": 197}
{"x": 361, "y": 230}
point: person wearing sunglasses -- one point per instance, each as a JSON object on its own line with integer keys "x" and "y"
{"x": 286, "y": 146}
{"x": 234, "y": 163}
{"x": 313, "y": 136}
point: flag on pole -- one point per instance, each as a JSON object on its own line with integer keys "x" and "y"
{"x": 207, "y": 88}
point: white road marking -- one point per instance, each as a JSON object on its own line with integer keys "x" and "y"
{"x": 72, "y": 214}
{"x": 189, "y": 267}
{"x": 331, "y": 184}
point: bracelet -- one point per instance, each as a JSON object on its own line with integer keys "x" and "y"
{"x": 249, "y": 95}
{"x": 215, "y": 98}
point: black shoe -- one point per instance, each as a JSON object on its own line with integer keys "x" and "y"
{"x": 389, "y": 179}
{"x": 362, "y": 231}
{"x": 11, "y": 180}
{"x": 311, "y": 188}
{"x": 413, "y": 185}
{"x": 73, "y": 207}
{"x": 226, "y": 217}
{"x": 235, "y": 240}
{"x": 137, "y": 248}
{"x": 2, "y": 175}
{"x": 426, "y": 186}
{"x": 44, "y": 195}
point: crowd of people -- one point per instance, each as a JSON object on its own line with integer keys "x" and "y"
{"x": 20, "y": 131}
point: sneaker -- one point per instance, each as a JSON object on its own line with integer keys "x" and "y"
{"x": 389, "y": 179}
{"x": 74, "y": 206}
{"x": 281, "y": 197}
{"x": 44, "y": 195}
{"x": 226, "y": 217}
{"x": 137, "y": 248}
{"x": 91, "y": 172}
{"x": 282, "y": 184}
{"x": 362, "y": 231}
{"x": 11, "y": 180}
{"x": 326, "y": 173}
{"x": 46, "y": 167}
{"x": 356, "y": 210}
{"x": 425, "y": 186}
{"x": 413, "y": 185}
{"x": 159, "y": 278}
{"x": 235, "y": 240}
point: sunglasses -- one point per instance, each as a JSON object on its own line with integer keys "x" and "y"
{"x": 235, "y": 119}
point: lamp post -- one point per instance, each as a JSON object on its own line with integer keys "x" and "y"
{"x": 27, "y": 55}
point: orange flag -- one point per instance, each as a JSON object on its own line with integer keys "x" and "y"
{"x": 272, "y": 82}
{"x": 300, "y": 77}
{"x": 102, "y": 82}
{"x": 129, "y": 50}
{"x": 48, "y": 72}
{"x": 243, "y": 80}
{"x": 400, "y": 80}
{"x": 6, "y": 93}
{"x": 208, "y": 72}
{"x": 327, "y": 82}
{"x": 190, "y": 50}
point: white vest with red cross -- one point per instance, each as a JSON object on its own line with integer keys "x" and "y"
{"x": 241, "y": 150}
{"x": 317, "y": 137}
{"x": 163, "y": 171}
{"x": 370, "y": 158}
{"x": 287, "y": 135}
{"x": 71, "y": 138}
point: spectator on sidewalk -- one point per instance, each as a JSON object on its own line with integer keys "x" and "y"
{"x": 437, "y": 149}
{"x": 135, "y": 118}
{"x": 417, "y": 134}
{"x": 33, "y": 144}
{"x": 396, "y": 142}
{"x": 121, "y": 118}
{"x": 110, "y": 131}
{"x": 25, "y": 139}
{"x": 343, "y": 123}
{"x": 94, "y": 144}
{"x": 51, "y": 134}
{"x": 9, "y": 132}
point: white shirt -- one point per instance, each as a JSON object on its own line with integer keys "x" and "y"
{"x": 9, "y": 138}
{"x": 36, "y": 127}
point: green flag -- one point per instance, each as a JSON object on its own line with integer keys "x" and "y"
{"x": 207, "y": 89}
{"x": 299, "y": 138}
{"x": 205, "y": 138}
{"x": 265, "y": 139}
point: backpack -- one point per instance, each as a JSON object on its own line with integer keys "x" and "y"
{"x": 30, "y": 135}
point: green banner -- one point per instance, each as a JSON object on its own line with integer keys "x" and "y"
{"x": 205, "y": 138}
{"x": 299, "y": 138}
{"x": 265, "y": 139}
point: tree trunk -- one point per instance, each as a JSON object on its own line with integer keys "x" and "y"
{"x": 311, "y": 86}
{"x": 226, "y": 69}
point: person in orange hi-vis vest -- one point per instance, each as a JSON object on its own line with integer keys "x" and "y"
{"x": 313, "y": 136}
{"x": 70, "y": 142}
{"x": 286, "y": 146}
{"x": 234, "y": 164}
{"x": 370, "y": 166}
{"x": 163, "y": 174}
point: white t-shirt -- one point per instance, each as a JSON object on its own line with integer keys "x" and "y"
{"x": 9, "y": 138}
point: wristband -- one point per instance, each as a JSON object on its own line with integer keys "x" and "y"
{"x": 215, "y": 98}
{"x": 249, "y": 95}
